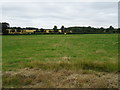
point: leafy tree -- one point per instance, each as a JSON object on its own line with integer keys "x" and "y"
{"x": 42, "y": 30}
{"x": 5, "y": 26}
{"x": 102, "y": 30}
{"x": 110, "y": 29}
{"x": 118, "y": 30}
{"x": 18, "y": 29}
{"x": 62, "y": 28}
{"x": 55, "y": 29}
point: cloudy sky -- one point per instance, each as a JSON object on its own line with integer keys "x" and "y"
{"x": 48, "y": 14}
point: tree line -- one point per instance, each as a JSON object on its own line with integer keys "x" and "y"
{"x": 69, "y": 30}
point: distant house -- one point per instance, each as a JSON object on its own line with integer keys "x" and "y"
{"x": 49, "y": 30}
{"x": 14, "y": 31}
{"x": 29, "y": 30}
{"x": 17, "y": 30}
{"x": 9, "y": 30}
{"x": 59, "y": 30}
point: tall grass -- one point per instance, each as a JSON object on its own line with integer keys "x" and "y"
{"x": 81, "y": 65}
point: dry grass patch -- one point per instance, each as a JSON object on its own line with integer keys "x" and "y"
{"x": 76, "y": 65}
{"x": 37, "y": 78}
{"x": 100, "y": 52}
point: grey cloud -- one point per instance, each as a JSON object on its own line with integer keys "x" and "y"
{"x": 60, "y": 13}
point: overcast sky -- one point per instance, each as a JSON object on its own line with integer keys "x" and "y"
{"x": 48, "y": 14}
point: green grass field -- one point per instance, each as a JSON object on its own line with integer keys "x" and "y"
{"x": 97, "y": 52}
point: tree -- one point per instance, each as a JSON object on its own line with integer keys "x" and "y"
{"x": 55, "y": 29}
{"x": 88, "y": 29}
{"x": 42, "y": 30}
{"x": 62, "y": 28}
{"x": 5, "y": 26}
{"x": 118, "y": 30}
{"x": 110, "y": 29}
{"x": 18, "y": 29}
{"x": 102, "y": 30}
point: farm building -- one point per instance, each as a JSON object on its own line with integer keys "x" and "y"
{"x": 18, "y": 30}
{"x": 14, "y": 31}
{"x": 29, "y": 30}
{"x": 49, "y": 30}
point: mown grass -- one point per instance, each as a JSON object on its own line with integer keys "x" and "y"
{"x": 97, "y": 52}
